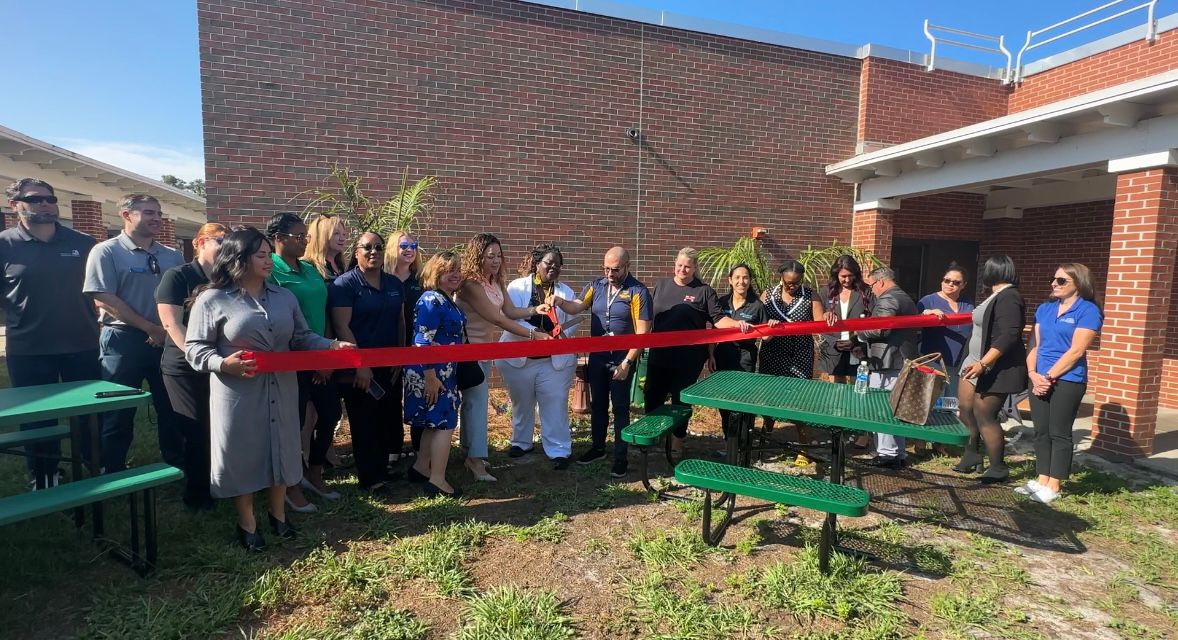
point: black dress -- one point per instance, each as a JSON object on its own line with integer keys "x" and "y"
{"x": 790, "y": 356}
{"x": 739, "y": 355}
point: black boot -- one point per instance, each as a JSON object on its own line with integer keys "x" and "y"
{"x": 282, "y": 529}
{"x": 971, "y": 460}
{"x": 251, "y": 541}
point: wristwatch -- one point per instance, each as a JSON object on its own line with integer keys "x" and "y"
{"x": 628, "y": 362}
{"x": 985, "y": 367}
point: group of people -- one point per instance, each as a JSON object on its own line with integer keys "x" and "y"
{"x": 130, "y": 310}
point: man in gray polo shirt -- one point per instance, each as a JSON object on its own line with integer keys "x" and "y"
{"x": 52, "y": 328}
{"x": 121, "y": 276}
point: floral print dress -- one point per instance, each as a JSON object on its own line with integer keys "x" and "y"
{"x": 438, "y": 321}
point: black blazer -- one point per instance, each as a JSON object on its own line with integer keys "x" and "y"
{"x": 1002, "y": 329}
{"x": 857, "y": 307}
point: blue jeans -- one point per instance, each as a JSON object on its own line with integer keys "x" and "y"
{"x": 887, "y": 445}
{"x": 27, "y": 371}
{"x": 472, "y": 416}
{"x": 128, "y": 360}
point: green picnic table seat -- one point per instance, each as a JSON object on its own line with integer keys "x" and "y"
{"x": 809, "y": 493}
{"x": 651, "y": 428}
{"x": 132, "y": 482}
{"x": 14, "y": 439}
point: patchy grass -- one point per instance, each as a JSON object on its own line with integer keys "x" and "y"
{"x": 511, "y": 612}
{"x": 364, "y": 624}
{"x": 675, "y": 548}
{"x": 687, "y": 614}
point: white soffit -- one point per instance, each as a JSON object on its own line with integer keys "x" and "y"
{"x": 25, "y": 156}
{"x": 1132, "y": 118}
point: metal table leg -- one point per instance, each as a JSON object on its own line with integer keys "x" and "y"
{"x": 94, "y": 468}
{"x": 77, "y": 433}
{"x": 830, "y": 526}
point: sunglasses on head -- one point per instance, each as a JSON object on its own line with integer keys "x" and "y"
{"x": 956, "y": 283}
{"x": 408, "y": 245}
{"x": 1060, "y": 281}
{"x": 37, "y": 199}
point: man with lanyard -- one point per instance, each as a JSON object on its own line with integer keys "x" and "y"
{"x": 620, "y": 305}
{"x": 122, "y": 275}
{"x": 52, "y": 328}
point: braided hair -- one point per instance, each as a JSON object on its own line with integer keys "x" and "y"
{"x": 528, "y": 265}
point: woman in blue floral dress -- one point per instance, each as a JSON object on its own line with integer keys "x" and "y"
{"x": 431, "y": 391}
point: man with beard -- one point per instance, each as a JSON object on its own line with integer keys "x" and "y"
{"x": 121, "y": 276}
{"x": 620, "y": 305}
{"x": 52, "y": 328}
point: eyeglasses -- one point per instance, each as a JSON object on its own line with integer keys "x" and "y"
{"x": 1060, "y": 281}
{"x": 956, "y": 283}
{"x": 554, "y": 265}
{"x": 153, "y": 265}
{"x": 612, "y": 269}
{"x": 408, "y": 245}
{"x": 37, "y": 199}
{"x": 298, "y": 237}
{"x": 372, "y": 247}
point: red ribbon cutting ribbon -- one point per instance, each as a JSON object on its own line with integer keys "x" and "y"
{"x": 270, "y": 361}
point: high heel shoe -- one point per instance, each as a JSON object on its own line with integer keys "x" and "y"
{"x": 479, "y": 471}
{"x": 971, "y": 461}
{"x": 307, "y": 508}
{"x": 310, "y": 486}
{"x": 252, "y": 542}
{"x": 283, "y": 529}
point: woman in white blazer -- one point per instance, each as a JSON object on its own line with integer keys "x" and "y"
{"x": 543, "y": 381}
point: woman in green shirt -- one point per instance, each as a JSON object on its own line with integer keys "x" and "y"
{"x": 289, "y": 236}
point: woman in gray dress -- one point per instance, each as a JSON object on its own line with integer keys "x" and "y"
{"x": 253, "y": 418}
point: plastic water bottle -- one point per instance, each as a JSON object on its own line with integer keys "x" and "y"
{"x": 945, "y": 404}
{"x": 861, "y": 377}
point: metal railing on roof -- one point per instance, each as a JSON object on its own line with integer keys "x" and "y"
{"x": 933, "y": 39}
{"x": 1151, "y": 28}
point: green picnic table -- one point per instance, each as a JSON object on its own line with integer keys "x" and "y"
{"x": 834, "y": 406}
{"x": 76, "y": 401}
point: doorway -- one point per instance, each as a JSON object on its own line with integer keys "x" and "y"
{"x": 920, "y": 264}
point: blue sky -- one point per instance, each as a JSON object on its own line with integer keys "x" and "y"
{"x": 119, "y": 81}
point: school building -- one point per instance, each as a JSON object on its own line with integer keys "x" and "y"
{"x": 590, "y": 124}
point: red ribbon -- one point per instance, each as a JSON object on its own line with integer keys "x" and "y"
{"x": 399, "y": 356}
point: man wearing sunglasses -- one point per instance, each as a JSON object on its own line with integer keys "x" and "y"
{"x": 122, "y": 275}
{"x": 52, "y": 328}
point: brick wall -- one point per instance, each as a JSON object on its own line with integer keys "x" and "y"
{"x": 87, "y": 218}
{"x": 899, "y": 102}
{"x": 1126, "y": 63}
{"x": 522, "y": 113}
{"x": 943, "y": 216}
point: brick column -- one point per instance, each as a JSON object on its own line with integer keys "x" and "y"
{"x": 871, "y": 229}
{"x": 9, "y": 218}
{"x": 88, "y": 218}
{"x": 167, "y": 235}
{"x": 1140, "y": 275}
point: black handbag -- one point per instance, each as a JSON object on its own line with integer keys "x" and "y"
{"x": 468, "y": 374}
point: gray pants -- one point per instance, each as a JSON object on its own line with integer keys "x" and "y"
{"x": 887, "y": 446}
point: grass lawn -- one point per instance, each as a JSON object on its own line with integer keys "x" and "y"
{"x": 573, "y": 554}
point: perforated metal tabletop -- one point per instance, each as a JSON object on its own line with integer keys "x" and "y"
{"x": 819, "y": 403}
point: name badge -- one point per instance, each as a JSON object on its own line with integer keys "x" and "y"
{"x": 138, "y": 270}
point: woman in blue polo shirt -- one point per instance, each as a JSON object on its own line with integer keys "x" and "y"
{"x": 1058, "y": 366}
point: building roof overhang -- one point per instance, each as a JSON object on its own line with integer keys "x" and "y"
{"x": 86, "y": 176}
{"x": 1131, "y": 119}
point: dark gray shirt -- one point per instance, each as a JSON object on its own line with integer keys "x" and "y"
{"x": 119, "y": 267}
{"x": 47, "y": 313}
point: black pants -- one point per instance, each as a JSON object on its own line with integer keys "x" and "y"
{"x": 604, "y": 391}
{"x": 369, "y": 418}
{"x": 664, "y": 380}
{"x": 325, "y": 398}
{"x": 1053, "y": 417}
{"x": 189, "y": 395}
{"x": 395, "y": 434}
{"x": 28, "y": 371}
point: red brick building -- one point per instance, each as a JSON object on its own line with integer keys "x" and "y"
{"x": 525, "y": 111}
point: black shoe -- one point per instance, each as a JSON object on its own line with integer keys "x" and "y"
{"x": 283, "y": 529}
{"x": 887, "y": 462}
{"x": 517, "y": 452}
{"x": 995, "y": 474}
{"x": 560, "y": 464}
{"x": 432, "y": 490}
{"x": 619, "y": 469}
{"x": 413, "y": 475}
{"x": 253, "y": 542}
{"x": 591, "y": 456}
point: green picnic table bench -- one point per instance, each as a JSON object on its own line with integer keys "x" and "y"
{"x": 833, "y": 406}
{"x": 652, "y": 428}
{"x": 78, "y": 402}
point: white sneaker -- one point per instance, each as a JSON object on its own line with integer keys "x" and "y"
{"x": 1029, "y": 488}
{"x": 1044, "y": 495}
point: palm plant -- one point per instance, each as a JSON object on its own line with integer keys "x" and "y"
{"x": 817, "y": 262}
{"x": 716, "y": 262}
{"x": 408, "y": 209}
